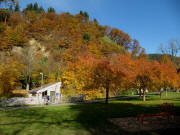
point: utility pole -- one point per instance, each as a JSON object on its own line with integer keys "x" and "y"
{"x": 41, "y": 80}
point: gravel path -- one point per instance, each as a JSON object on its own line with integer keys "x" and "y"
{"x": 85, "y": 102}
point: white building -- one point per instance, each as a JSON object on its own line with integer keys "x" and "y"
{"x": 52, "y": 91}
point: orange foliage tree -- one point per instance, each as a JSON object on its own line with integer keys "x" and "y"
{"x": 89, "y": 73}
{"x": 144, "y": 75}
{"x": 154, "y": 75}
{"x": 169, "y": 76}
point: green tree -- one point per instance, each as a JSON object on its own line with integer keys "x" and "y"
{"x": 86, "y": 15}
{"x": 29, "y": 7}
{"x": 81, "y": 12}
{"x": 86, "y": 37}
{"x": 17, "y": 8}
{"x": 51, "y": 10}
{"x": 35, "y": 7}
{"x": 41, "y": 9}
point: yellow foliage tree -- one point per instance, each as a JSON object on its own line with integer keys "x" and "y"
{"x": 9, "y": 78}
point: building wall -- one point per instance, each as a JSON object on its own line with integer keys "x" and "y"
{"x": 54, "y": 87}
{"x": 35, "y": 99}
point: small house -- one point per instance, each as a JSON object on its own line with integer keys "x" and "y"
{"x": 52, "y": 90}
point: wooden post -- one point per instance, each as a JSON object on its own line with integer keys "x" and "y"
{"x": 161, "y": 91}
{"x": 144, "y": 95}
{"x": 107, "y": 92}
{"x": 166, "y": 93}
{"x": 160, "y": 95}
{"x": 140, "y": 93}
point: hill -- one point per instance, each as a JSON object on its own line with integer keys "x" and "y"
{"x": 176, "y": 60}
{"x": 35, "y": 40}
{"x": 155, "y": 56}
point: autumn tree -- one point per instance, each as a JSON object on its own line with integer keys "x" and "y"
{"x": 144, "y": 75}
{"x": 9, "y": 77}
{"x": 169, "y": 76}
{"x": 91, "y": 73}
{"x": 4, "y": 15}
{"x": 119, "y": 37}
{"x": 171, "y": 49}
{"x": 135, "y": 48}
{"x": 61, "y": 42}
{"x": 124, "y": 71}
{"x": 13, "y": 37}
{"x": 27, "y": 59}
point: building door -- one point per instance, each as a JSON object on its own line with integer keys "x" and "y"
{"x": 52, "y": 97}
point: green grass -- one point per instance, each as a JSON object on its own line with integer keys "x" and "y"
{"x": 82, "y": 119}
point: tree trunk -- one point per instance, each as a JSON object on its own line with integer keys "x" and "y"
{"x": 27, "y": 87}
{"x": 5, "y": 19}
{"x": 140, "y": 93}
{"x": 160, "y": 93}
{"x": 107, "y": 93}
{"x": 28, "y": 83}
{"x": 144, "y": 95}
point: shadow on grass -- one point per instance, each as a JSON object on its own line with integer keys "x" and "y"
{"x": 93, "y": 117}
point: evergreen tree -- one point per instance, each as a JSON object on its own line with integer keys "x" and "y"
{"x": 35, "y": 7}
{"x": 86, "y": 37}
{"x": 95, "y": 20}
{"x": 51, "y": 10}
{"x": 41, "y": 9}
{"x": 86, "y": 15}
{"x": 17, "y": 8}
{"x": 29, "y": 7}
{"x": 81, "y": 12}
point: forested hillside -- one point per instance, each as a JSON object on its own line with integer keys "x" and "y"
{"x": 158, "y": 57}
{"x": 75, "y": 49}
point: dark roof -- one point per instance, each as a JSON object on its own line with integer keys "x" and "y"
{"x": 44, "y": 86}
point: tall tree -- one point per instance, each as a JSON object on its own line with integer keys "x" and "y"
{"x": 144, "y": 76}
{"x": 9, "y": 77}
{"x": 51, "y": 10}
{"x": 168, "y": 73}
{"x": 135, "y": 48}
{"x": 90, "y": 73}
{"x": 171, "y": 49}
{"x": 4, "y": 15}
{"x": 119, "y": 37}
{"x": 35, "y": 7}
{"x": 17, "y": 8}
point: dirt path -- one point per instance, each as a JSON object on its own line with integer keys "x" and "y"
{"x": 131, "y": 124}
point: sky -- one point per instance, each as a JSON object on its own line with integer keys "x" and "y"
{"x": 151, "y": 22}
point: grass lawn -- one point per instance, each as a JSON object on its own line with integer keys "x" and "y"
{"x": 82, "y": 119}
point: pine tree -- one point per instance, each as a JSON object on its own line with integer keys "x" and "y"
{"x": 35, "y": 7}
{"x": 51, "y": 10}
{"x": 86, "y": 15}
{"x": 41, "y": 9}
{"x": 17, "y": 8}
